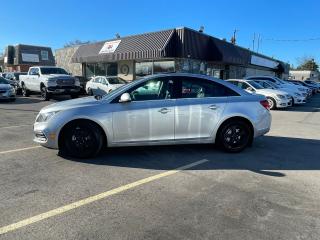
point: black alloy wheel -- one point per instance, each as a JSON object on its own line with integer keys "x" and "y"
{"x": 235, "y": 136}
{"x": 82, "y": 140}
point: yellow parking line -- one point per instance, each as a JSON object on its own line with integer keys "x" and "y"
{"x": 19, "y": 149}
{"x": 94, "y": 198}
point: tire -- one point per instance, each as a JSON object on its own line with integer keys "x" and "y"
{"x": 272, "y": 103}
{"x": 81, "y": 139}
{"x": 45, "y": 96}
{"x": 232, "y": 141}
{"x": 25, "y": 91}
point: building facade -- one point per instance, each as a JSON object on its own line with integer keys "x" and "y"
{"x": 174, "y": 50}
{"x": 304, "y": 75}
{"x": 20, "y": 57}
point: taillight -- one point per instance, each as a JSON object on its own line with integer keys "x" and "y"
{"x": 265, "y": 104}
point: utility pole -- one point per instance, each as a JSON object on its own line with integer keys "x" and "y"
{"x": 254, "y": 39}
{"x": 258, "y": 43}
{"x": 234, "y": 39}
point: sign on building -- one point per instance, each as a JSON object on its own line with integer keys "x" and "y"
{"x": 28, "y": 57}
{"x": 263, "y": 62}
{"x": 110, "y": 47}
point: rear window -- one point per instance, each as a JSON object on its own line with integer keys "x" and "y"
{"x": 53, "y": 71}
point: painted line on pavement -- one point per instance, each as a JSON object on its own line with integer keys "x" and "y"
{"x": 25, "y": 125}
{"x": 19, "y": 149}
{"x": 88, "y": 200}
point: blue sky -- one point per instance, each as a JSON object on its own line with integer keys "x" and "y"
{"x": 53, "y": 23}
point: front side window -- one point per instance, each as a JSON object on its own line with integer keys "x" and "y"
{"x": 201, "y": 88}
{"x": 154, "y": 89}
{"x": 103, "y": 81}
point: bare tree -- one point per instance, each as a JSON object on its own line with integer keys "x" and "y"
{"x": 76, "y": 43}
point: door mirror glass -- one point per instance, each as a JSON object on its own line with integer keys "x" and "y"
{"x": 250, "y": 89}
{"x": 125, "y": 97}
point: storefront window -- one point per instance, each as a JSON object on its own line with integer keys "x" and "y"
{"x": 143, "y": 69}
{"x": 89, "y": 70}
{"x": 100, "y": 69}
{"x": 112, "y": 69}
{"x": 162, "y": 67}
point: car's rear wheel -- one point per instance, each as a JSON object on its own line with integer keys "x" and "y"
{"x": 45, "y": 96}
{"x": 25, "y": 91}
{"x": 234, "y": 136}
{"x": 272, "y": 103}
{"x": 81, "y": 139}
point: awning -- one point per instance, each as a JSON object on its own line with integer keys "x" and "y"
{"x": 143, "y": 46}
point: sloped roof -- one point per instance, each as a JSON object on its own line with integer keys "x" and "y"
{"x": 143, "y": 46}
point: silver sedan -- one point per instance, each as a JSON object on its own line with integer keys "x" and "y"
{"x": 157, "y": 110}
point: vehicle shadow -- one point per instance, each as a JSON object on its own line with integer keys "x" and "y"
{"x": 268, "y": 156}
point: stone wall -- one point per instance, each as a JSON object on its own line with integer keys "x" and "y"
{"x": 63, "y": 59}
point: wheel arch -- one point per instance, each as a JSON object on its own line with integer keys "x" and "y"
{"x": 232, "y": 118}
{"x": 61, "y": 132}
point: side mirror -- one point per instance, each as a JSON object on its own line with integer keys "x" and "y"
{"x": 250, "y": 89}
{"x": 125, "y": 97}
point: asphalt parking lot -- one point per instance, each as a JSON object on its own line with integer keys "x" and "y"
{"x": 269, "y": 191}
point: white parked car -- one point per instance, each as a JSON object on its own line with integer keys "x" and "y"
{"x": 297, "y": 98}
{"x": 101, "y": 85}
{"x": 282, "y": 84}
{"x": 276, "y": 98}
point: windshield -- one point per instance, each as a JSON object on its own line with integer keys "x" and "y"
{"x": 3, "y": 81}
{"x": 53, "y": 71}
{"x": 255, "y": 85}
{"x": 116, "y": 80}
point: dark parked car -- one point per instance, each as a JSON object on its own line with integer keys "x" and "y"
{"x": 14, "y": 77}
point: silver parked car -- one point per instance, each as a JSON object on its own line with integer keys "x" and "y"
{"x": 160, "y": 109}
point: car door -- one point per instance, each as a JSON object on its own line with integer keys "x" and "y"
{"x": 95, "y": 86}
{"x": 35, "y": 80}
{"x": 199, "y": 107}
{"x": 149, "y": 116}
{"x": 103, "y": 86}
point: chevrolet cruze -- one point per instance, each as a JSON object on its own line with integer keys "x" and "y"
{"x": 157, "y": 110}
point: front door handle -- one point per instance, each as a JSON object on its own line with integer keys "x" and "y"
{"x": 213, "y": 107}
{"x": 164, "y": 110}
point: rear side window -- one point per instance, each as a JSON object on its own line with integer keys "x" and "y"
{"x": 191, "y": 87}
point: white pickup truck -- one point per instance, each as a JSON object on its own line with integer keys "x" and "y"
{"x": 49, "y": 81}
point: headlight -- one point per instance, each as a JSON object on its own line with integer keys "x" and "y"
{"x": 297, "y": 94}
{"x": 281, "y": 96}
{"x": 44, "y": 117}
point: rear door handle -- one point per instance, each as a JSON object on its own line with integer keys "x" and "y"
{"x": 213, "y": 107}
{"x": 164, "y": 110}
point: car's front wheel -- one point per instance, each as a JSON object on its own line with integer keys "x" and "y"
{"x": 234, "y": 136}
{"x": 81, "y": 139}
{"x": 272, "y": 103}
{"x": 45, "y": 96}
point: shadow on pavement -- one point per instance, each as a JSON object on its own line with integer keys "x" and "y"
{"x": 268, "y": 156}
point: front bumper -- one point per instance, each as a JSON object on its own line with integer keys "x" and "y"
{"x": 299, "y": 100}
{"x": 63, "y": 89}
{"x": 45, "y": 136}
{"x": 283, "y": 103}
{"x": 4, "y": 95}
